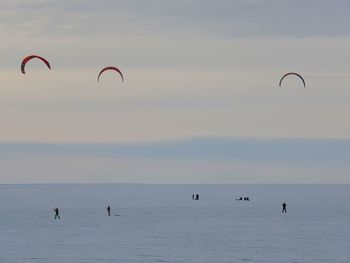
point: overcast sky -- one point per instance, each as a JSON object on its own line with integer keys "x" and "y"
{"x": 195, "y": 71}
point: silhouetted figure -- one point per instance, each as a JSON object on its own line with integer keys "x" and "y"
{"x": 57, "y": 213}
{"x": 192, "y": 196}
{"x": 197, "y": 196}
{"x": 109, "y": 210}
{"x": 247, "y": 199}
{"x": 240, "y": 199}
{"x": 284, "y": 208}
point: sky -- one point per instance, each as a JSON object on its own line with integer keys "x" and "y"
{"x": 200, "y": 102}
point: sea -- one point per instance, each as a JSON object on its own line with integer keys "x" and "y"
{"x": 161, "y": 223}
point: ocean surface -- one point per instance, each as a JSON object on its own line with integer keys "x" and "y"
{"x": 161, "y": 223}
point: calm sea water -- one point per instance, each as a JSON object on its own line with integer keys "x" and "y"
{"x": 161, "y": 223}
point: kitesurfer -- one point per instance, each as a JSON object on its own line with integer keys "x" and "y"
{"x": 284, "y": 208}
{"x": 57, "y": 213}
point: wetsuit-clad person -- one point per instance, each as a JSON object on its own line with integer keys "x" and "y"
{"x": 57, "y": 213}
{"x": 284, "y": 208}
{"x": 109, "y": 210}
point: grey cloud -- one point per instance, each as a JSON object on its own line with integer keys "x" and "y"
{"x": 241, "y": 18}
{"x": 206, "y": 160}
{"x": 311, "y": 151}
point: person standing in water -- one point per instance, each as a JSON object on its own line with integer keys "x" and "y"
{"x": 284, "y": 208}
{"x": 57, "y": 214}
{"x": 109, "y": 210}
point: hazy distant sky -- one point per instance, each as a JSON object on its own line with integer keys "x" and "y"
{"x": 206, "y": 70}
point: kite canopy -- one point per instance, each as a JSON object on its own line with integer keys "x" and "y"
{"x": 110, "y": 68}
{"x": 26, "y": 59}
{"x": 292, "y": 73}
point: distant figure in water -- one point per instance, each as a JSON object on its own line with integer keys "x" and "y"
{"x": 192, "y": 196}
{"x": 284, "y": 208}
{"x": 109, "y": 210}
{"x": 197, "y": 196}
{"x": 57, "y": 213}
{"x": 247, "y": 199}
{"x": 240, "y": 199}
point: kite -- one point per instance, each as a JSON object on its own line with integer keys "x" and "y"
{"x": 110, "y": 68}
{"x": 292, "y": 73}
{"x": 26, "y": 59}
